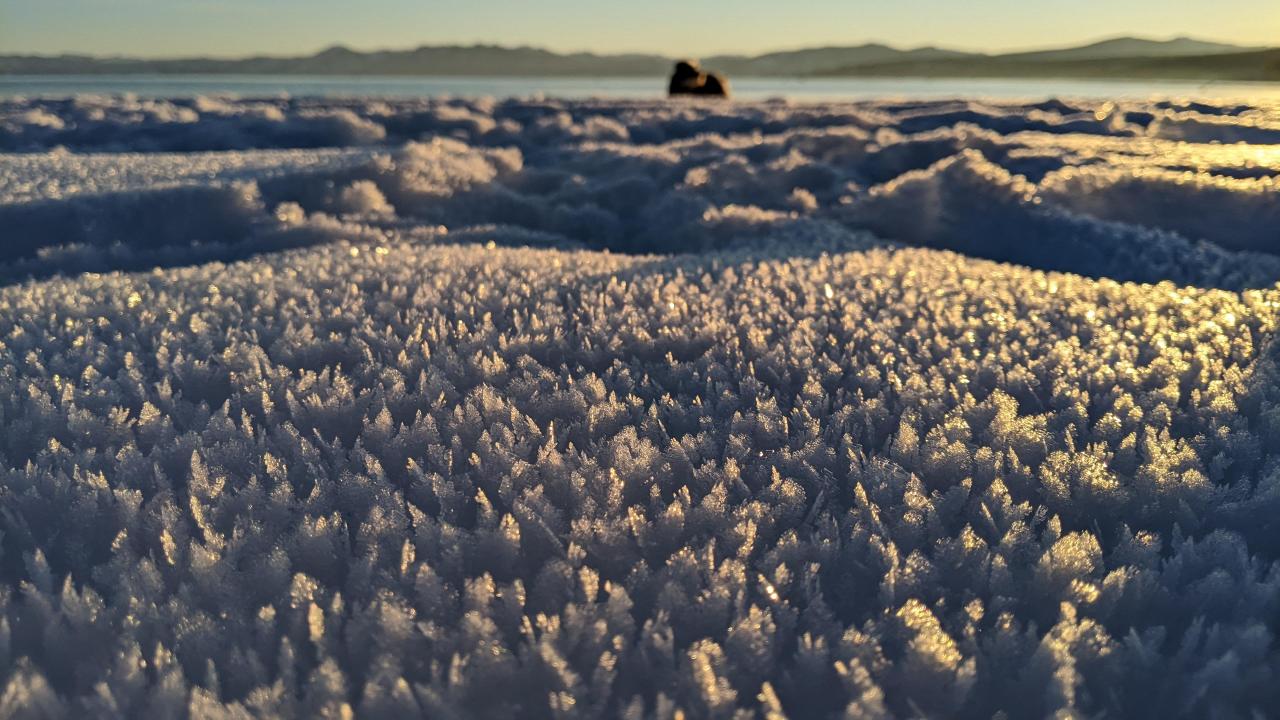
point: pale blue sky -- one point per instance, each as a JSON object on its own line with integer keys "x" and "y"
{"x": 684, "y": 27}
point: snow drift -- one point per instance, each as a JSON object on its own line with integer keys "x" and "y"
{"x": 1086, "y": 188}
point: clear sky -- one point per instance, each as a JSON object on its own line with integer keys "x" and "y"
{"x": 685, "y": 27}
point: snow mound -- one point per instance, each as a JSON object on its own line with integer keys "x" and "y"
{"x": 1236, "y": 213}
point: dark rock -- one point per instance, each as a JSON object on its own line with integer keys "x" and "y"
{"x": 689, "y": 79}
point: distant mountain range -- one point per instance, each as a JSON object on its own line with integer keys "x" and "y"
{"x": 1129, "y": 47}
{"x": 815, "y": 61}
{"x": 1184, "y": 58}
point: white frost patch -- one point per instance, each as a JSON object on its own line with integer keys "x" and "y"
{"x": 363, "y": 197}
{"x": 60, "y": 174}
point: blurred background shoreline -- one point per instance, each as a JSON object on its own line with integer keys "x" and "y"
{"x": 640, "y": 88}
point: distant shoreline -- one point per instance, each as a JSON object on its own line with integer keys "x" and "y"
{"x": 748, "y": 89}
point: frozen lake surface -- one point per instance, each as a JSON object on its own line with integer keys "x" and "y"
{"x": 744, "y": 88}
{"x": 402, "y": 406}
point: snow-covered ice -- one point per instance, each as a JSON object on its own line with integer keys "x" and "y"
{"x": 542, "y": 408}
{"x": 58, "y": 174}
{"x": 1085, "y": 188}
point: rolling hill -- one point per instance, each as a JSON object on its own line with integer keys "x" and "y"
{"x": 1131, "y": 47}
{"x": 1252, "y": 66}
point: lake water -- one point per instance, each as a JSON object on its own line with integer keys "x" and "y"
{"x": 744, "y": 88}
